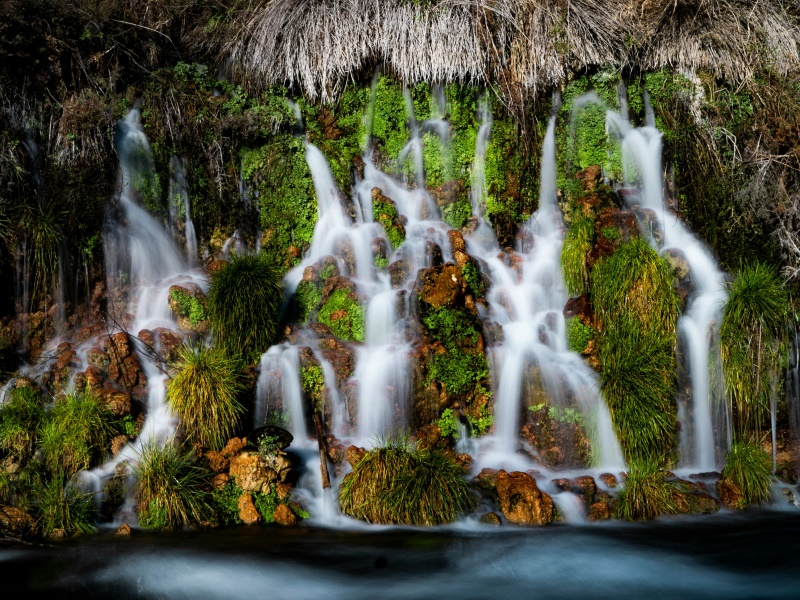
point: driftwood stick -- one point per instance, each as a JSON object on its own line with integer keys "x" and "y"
{"x": 323, "y": 455}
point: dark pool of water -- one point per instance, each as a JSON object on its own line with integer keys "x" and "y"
{"x": 723, "y": 556}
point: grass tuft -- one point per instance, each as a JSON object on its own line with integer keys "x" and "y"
{"x": 749, "y": 468}
{"x": 400, "y": 484}
{"x": 64, "y": 506}
{"x": 244, "y": 302}
{"x": 171, "y": 488}
{"x": 646, "y": 494}
{"x": 20, "y": 418}
{"x": 203, "y": 394}
{"x": 76, "y": 434}
{"x": 577, "y": 244}
{"x": 752, "y": 344}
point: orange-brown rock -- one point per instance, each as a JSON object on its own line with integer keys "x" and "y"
{"x": 16, "y": 521}
{"x": 608, "y": 479}
{"x": 118, "y": 443}
{"x": 354, "y": 455}
{"x": 730, "y": 495}
{"x": 580, "y": 307}
{"x": 441, "y": 286}
{"x": 233, "y": 446}
{"x": 521, "y": 500}
{"x": 284, "y": 515}
{"x": 599, "y": 511}
{"x": 247, "y": 510}
{"x": 251, "y": 473}
{"x": 217, "y": 461}
{"x": 457, "y": 243}
{"x": 124, "y": 529}
{"x": 283, "y": 490}
{"x": 590, "y": 177}
{"x": 220, "y": 480}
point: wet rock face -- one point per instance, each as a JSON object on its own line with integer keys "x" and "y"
{"x": 190, "y": 307}
{"x": 730, "y": 495}
{"x": 284, "y": 516}
{"x": 441, "y": 286}
{"x": 247, "y": 510}
{"x": 521, "y": 500}
{"x": 254, "y": 473}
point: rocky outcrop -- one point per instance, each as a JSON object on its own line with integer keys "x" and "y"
{"x": 255, "y": 473}
{"x": 521, "y": 500}
{"x": 248, "y": 513}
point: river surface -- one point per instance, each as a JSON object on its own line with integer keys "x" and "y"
{"x": 754, "y": 555}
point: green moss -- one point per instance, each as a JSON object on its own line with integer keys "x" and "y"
{"x": 225, "y": 502}
{"x": 577, "y": 244}
{"x": 189, "y": 306}
{"x": 474, "y": 279}
{"x": 578, "y": 334}
{"x": 312, "y": 380}
{"x": 612, "y": 234}
{"x": 482, "y": 421}
{"x": 461, "y": 368}
{"x": 344, "y": 315}
{"x": 457, "y": 213}
{"x": 386, "y": 214}
{"x": 448, "y": 423}
{"x": 308, "y": 296}
{"x": 380, "y": 262}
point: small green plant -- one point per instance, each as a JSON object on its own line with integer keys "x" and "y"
{"x": 344, "y": 315}
{"x": 578, "y": 334}
{"x": 749, "y": 468}
{"x": 189, "y": 306}
{"x": 266, "y": 504}
{"x": 269, "y": 445}
{"x": 577, "y": 244}
{"x": 380, "y": 262}
{"x": 646, "y": 494}
{"x": 129, "y": 426}
{"x": 473, "y": 278}
{"x": 171, "y": 487}
{"x": 225, "y": 502}
{"x": 76, "y": 433}
{"x": 312, "y": 380}
{"x": 203, "y": 393}
{"x": 612, "y": 234}
{"x": 386, "y": 214}
{"x": 448, "y": 423}
{"x": 482, "y": 422}
{"x": 308, "y": 296}
{"x": 244, "y": 302}
{"x": 62, "y": 505}
{"x": 327, "y": 271}
{"x": 20, "y": 418}
{"x": 397, "y": 483}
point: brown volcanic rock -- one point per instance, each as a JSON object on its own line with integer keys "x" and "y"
{"x": 441, "y": 286}
{"x": 521, "y": 500}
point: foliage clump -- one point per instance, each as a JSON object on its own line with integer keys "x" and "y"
{"x": 753, "y": 344}
{"x": 386, "y": 214}
{"x": 646, "y": 494}
{"x": 203, "y": 393}
{"x": 637, "y": 309}
{"x": 189, "y": 306}
{"x": 578, "y": 334}
{"x": 462, "y": 367}
{"x": 749, "y": 469}
{"x": 577, "y": 244}
{"x": 20, "y": 419}
{"x": 399, "y": 484}
{"x": 344, "y": 315}
{"x": 171, "y": 487}
{"x": 244, "y": 302}
{"x": 76, "y": 433}
{"x": 63, "y": 507}
{"x": 307, "y": 296}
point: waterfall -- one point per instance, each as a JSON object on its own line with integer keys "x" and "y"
{"x": 641, "y": 151}
{"x": 180, "y": 213}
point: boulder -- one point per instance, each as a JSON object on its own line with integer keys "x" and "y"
{"x": 521, "y": 500}
{"x": 354, "y": 455}
{"x": 491, "y": 518}
{"x": 247, "y": 510}
{"x": 124, "y": 529}
{"x": 16, "y": 522}
{"x": 598, "y": 511}
{"x": 441, "y": 286}
{"x": 730, "y": 495}
{"x": 285, "y": 516}
{"x": 251, "y": 473}
{"x": 609, "y": 480}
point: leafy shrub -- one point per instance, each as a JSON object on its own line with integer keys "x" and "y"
{"x": 244, "y": 302}
{"x": 400, "y": 484}
{"x": 448, "y": 423}
{"x": 749, "y": 468}
{"x": 646, "y": 494}
{"x": 171, "y": 488}
{"x": 225, "y": 502}
{"x": 203, "y": 394}
{"x": 76, "y": 433}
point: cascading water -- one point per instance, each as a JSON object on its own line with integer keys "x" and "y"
{"x": 180, "y": 213}
{"x": 641, "y": 152}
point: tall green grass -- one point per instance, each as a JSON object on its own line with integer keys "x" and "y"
{"x": 400, "y": 484}
{"x": 20, "y": 418}
{"x": 749, "y": 468}
{"x": 171, "y": 488}
{"x": 76, "y": 434}
{"x": 637, "y": 310}
{"x": 577, "y": 244}
{"x": 752, "y": 345}
{"x": 62, "y": 505}
{"x": 203, "y": 394}
{"x": 244, "y": 302}
{"x": 646, "y": 494}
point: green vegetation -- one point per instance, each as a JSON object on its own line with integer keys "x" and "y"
{"x": 646, "y": 494}
{"x": 308, "y": 296}
{"x": 753, "y": 345}
{"x": 399, "y": 484}
{"x": 749, "y": 468}
{"x": 76, "y": 434}
{"x": 244, "y": 302}
{"x": 578, "y": 334}
{"x": 480, "y": 423}
{"x": 637, "y": 309}
{"x": 203, "y": 393}
{"x": 343, "y": 313}
{"x": 577, "y": 244}
{"x": 171, "y": 488}
{"x": 474, "y": 279}
{"x": 189, "y": 306}
{"x": 63, "y": 507}
{"x": 385, "y": 213}
{"x": 312, "y": 380}
{"x": 20, "y": 418}
{"x": 566, "y": 415}
{"x": 225, "y": 502}
{"x": 449, "y": 424}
